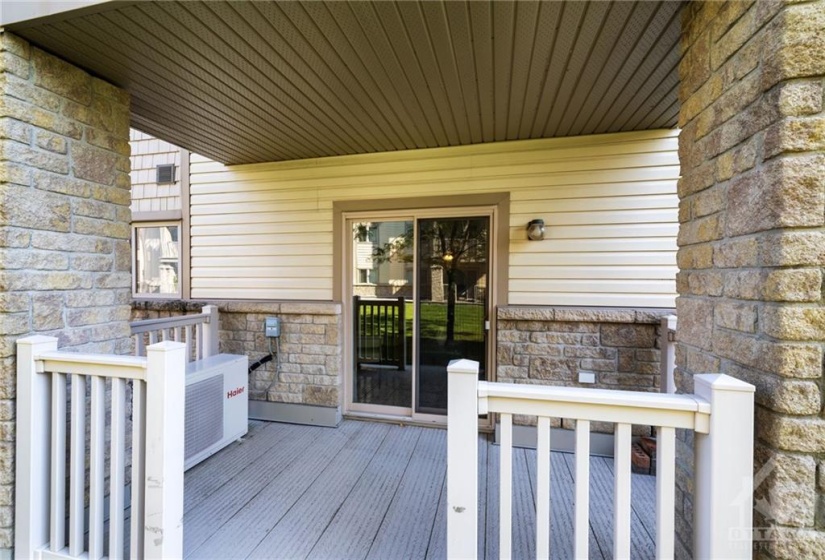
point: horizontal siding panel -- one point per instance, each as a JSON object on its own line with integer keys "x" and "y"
{"x": 271, "y": 228}
{"x": 307, "y": 218}
{"x": 623, "y": 166}
{"x": 263, "y": 271}
{"x": 265, "y": 231}
{"x": 592, "y": 299}
{"x": 604, "y": 272}
{"x": 224, "y": 292}
{"x": 550, "y": 204}
{"x": 608, "y": 217}
{"x": 592, "y": 286}
{"x": 268, "y": 257}
{"x": 610, "y": 157}
{"x": 264, "y": 283}
{"x": 238, "y": 242}
{"x": 647, "y": 141}
{"x": 533, "y": 260}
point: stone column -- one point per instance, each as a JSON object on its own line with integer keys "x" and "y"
{"x": 752, "y": 246}
{"x": 64, "y": 220}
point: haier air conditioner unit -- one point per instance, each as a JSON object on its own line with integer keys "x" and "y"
{"x": 217, "y": 406}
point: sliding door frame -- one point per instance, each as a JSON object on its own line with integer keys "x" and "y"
{"x": 414, "y": 214}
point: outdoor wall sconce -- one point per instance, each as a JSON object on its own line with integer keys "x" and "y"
{"x": 535, "y": 230}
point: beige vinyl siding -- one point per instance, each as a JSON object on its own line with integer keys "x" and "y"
{"x": 265, "y": 231}
{"x": 147, "y": 154}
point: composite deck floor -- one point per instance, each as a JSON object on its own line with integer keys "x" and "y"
{"x": 373, "y": 490}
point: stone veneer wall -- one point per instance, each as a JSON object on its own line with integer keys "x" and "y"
{"x": 752, "y": 247}
{"x": 552, "y": 345}
{"x": 64, "y": 220}
{"x": 311, "y": 346}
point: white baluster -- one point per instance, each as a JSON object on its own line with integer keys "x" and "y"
{"x": 665, "y": 492}
{"x": 506, "y": 488}
{"x": 621, "y": 491}
{"x": 543, "y": 489}
{"x": 582, "y": 520}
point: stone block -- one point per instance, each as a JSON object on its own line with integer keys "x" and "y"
{"x": 695, "y": 257}
{"x": 796, "y": 45}
{"x": 793, "y": 323}
{"x": 795, "y": 135}
{"x": 790, "y": 433}
{"x": 15, "y": 130}
{"x": 33, "y": 209}
{"x": 47, "y": 311}
{"x": 60, "y": 184}
{"x": 101, "y": 228}
{"x": 791, "y": 359}
{"x": 94, "y": 209}
{"x": 793, "y": 285}
{"x": 14, "y": 302}
{"x": 92, "y": 263}
{"x": 93, "y": 164}
{"x": 787, "y": 192}
{"x": 516, "y": 313}
{"x": 597, "y": 365}
{"x": 51, "y": 142}
{"x": 800, "y": 97}
{"x": 17, "y": 259}
{"x": 322, "y": 396}
{"x": 793, "y": 248}
{"x": 595, "y": 315}
{"x": 737, "y": 316}
{"x": 628, "y": 335}
{"x": 14, "y": 323}
{"x": 13, "y": 64}
{"x": 695, "y": 322}
{"x": 704, "y": 283}
{"x": 30, "y": 157}
{"x": 787, "y": 396}
{"x": 736, "y": 253}
{"x": 552, "y": 368}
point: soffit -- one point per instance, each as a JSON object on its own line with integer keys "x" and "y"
{"x": 244, "y": 82}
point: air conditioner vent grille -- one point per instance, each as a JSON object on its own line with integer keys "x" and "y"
{"x": 204, "y": 414}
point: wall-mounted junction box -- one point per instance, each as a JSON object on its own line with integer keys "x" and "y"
{"x": 272, "y": 327}
{"x": 587, "y": 377}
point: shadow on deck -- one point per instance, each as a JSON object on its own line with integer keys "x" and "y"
{"x": 371, "y": 490}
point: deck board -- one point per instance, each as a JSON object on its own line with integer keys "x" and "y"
{"x": 258, "y": 506}
{"x": 408, "y": 524}
{"x": 378, "y": 491}
{"x": 352, "y": 531}
{"x": 298, "y": 531}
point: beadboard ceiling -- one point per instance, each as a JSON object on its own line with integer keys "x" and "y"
{"x": 244, "y": 82}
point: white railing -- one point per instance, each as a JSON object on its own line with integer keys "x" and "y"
{"x": 198, "y": 332}
{"x": 50, "y": 423}
{"x": 720, "y": 414}
{"x": 667, "y": 359}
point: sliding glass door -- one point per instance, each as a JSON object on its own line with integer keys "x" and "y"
{"x": 419, "y": 298}
{"x": 451, "y": 302}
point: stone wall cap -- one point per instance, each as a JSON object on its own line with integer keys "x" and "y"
{"x": 582, "y": 314}
{"x": 235, "y": 306}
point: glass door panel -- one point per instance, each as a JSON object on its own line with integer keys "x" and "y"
{"x": 453, "y": 276}
{"x": 383, "y": 313}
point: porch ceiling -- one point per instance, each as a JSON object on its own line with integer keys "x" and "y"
{"x": 244, "y": 82}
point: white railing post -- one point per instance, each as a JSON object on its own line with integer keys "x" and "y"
{"x": 33, "y": 443}
{"x": 667, "y": 357}
{"x": 165, "y": 387}
{"x": 723, "y": 504}
{"x": 210, "y": 331}
{"x": 462, "y": 459}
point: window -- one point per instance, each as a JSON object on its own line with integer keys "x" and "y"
{"x": 157, "y": 260}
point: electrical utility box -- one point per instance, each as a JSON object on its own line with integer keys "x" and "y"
{"x": 272, "y": 327}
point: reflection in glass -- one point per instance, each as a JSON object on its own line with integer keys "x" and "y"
{"x": 452, "y": 302}
{"x": 157, "y": 260}
{"x": 383, "y": 312}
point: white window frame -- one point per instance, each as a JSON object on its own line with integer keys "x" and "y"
{"x": 150, "y": 224}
